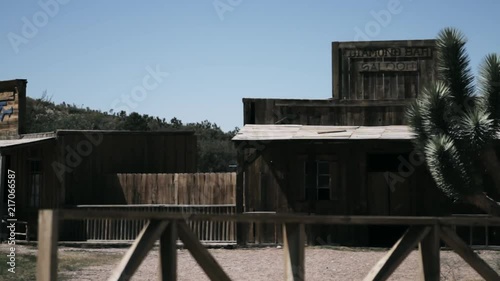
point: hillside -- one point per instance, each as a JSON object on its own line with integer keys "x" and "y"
{"x": 215, "y": 150}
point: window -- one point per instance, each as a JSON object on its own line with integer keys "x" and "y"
{"x": 35, "y": 180}
{"x": 320, "y": 178}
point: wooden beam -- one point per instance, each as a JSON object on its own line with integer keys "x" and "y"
{"x": 293, "y": 249}
{"x": 168, "y": 253}
{"x": 48, "y": 235}
{"x": 213, "y": 270}
{"x": 386, "y": 266}
{"x": 429, "y": 255}
{"x": 69, "y": 214}
{"x": 139, "y": 250}
{"x": 240, "y": 227}
{"x": 458, "y": 245}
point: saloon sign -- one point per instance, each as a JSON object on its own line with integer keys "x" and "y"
{"x": 398, "y": 66}
{"x": 406, "y": 56}
{"x": 405, "y": 52}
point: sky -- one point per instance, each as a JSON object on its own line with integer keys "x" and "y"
{"x": 196, "y": 59}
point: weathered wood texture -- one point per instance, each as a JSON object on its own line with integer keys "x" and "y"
{"x": 123, "y": 152}
{"x": 51, "y": 192}
{"x": 13, "y": 107}
{"x": 206, "y": 261}
{"x": 72, "y": 169}
{"x": 386, "y": 266}
{"x": 47, "y": 246}
{"x": 136, "y": 254}
{"x": 168, "y": 254}
{"x": 372, "y": 84}
{"x": 429, "y": 249}
{"x": 294, "y": 253}
{"x": 294, "y": 239}
{"x": 382, "y": 70}
{"x": 123, "y": 229}
{"x": 183, "y": 189}
{"x": 357, "y": 187}
{"x": 324, "y": 112}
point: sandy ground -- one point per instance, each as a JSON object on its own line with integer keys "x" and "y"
{"x": 267, "y": 264}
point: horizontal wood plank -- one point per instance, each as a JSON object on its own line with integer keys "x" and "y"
{"x": 68, "y": 214}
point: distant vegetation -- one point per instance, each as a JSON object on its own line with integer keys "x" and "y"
{"x": 215, "y": 151}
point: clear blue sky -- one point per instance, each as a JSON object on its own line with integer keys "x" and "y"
{"x": 95, "y": 53}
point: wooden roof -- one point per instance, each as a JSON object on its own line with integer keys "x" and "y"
{"x": 309, "y": 132}
{"x": 23, "y": 141}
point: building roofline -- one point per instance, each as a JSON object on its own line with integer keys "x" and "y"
{"x": 402, "y": 42}
{"x": 124, "y": 132}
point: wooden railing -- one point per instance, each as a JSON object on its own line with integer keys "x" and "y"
{"x": 424, "y": 232}
{"x": 125, "y": 229}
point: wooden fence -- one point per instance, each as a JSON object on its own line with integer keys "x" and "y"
{"x": 177, "y": 189}
{"x": 424, "y": 232}
{"x": 125, "y": 229}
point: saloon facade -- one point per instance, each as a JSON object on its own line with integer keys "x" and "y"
{"x": 350, "y": 154}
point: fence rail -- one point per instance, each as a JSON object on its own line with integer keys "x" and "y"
{"x": 103, "y": 228}
{"x": 424, "y": 232}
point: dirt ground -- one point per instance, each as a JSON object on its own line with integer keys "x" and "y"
{"x": 267, "y": 264}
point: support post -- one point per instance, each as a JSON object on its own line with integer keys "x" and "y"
{"x": 241, "y": 228}
{"x": 386, "y": 266}
{"x": 459, "y": 246}
{"x": 138, "y": 251}
{"x": 429, "y": 249}
{"x": 213, "y": 270}
{"x": 293, "y": 249}
{"x": 48, "y": 235}
{"x": 168, "y": 253}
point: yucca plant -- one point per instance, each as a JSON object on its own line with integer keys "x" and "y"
{"x": 456, "y": 122}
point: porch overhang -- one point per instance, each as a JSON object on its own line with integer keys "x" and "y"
{"x": 310, "y": 132}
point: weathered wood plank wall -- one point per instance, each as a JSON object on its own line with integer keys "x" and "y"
{"x": 181, "y": 188}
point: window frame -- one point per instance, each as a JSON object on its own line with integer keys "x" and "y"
{"x": 35, "y": 177}
{"x": 333, "y": 177}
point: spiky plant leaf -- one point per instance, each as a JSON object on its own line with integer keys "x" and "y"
{"x": 416, "y": 121}
{"x": 453, "y": 65}
{"x": 476, "y": 130}
{"x": 489, "y": 78}
{"x": 436, "y": 110}
{"x": 447, "y": 169}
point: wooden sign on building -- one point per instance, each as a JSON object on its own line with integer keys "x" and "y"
{"x": 12, "y": 107}
{"x": 381, "y": 70}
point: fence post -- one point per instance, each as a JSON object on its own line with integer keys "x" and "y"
{"x": 48, "y": 235}
{"x": 241, "y": 228}
{"x": 168, "y": 253}
{"x": 429, "y": 248}
{"x": 293, "y": 249}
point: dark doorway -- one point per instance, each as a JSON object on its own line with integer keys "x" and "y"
{"x": 387, "y": 197}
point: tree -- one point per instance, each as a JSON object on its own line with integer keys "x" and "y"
{"x": 456, "y": 122}
{"x": 136, "y": 122}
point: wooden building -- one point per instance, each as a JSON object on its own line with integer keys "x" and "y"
{"x": 350, "y": 154}
{"x": 70, "y": 167}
